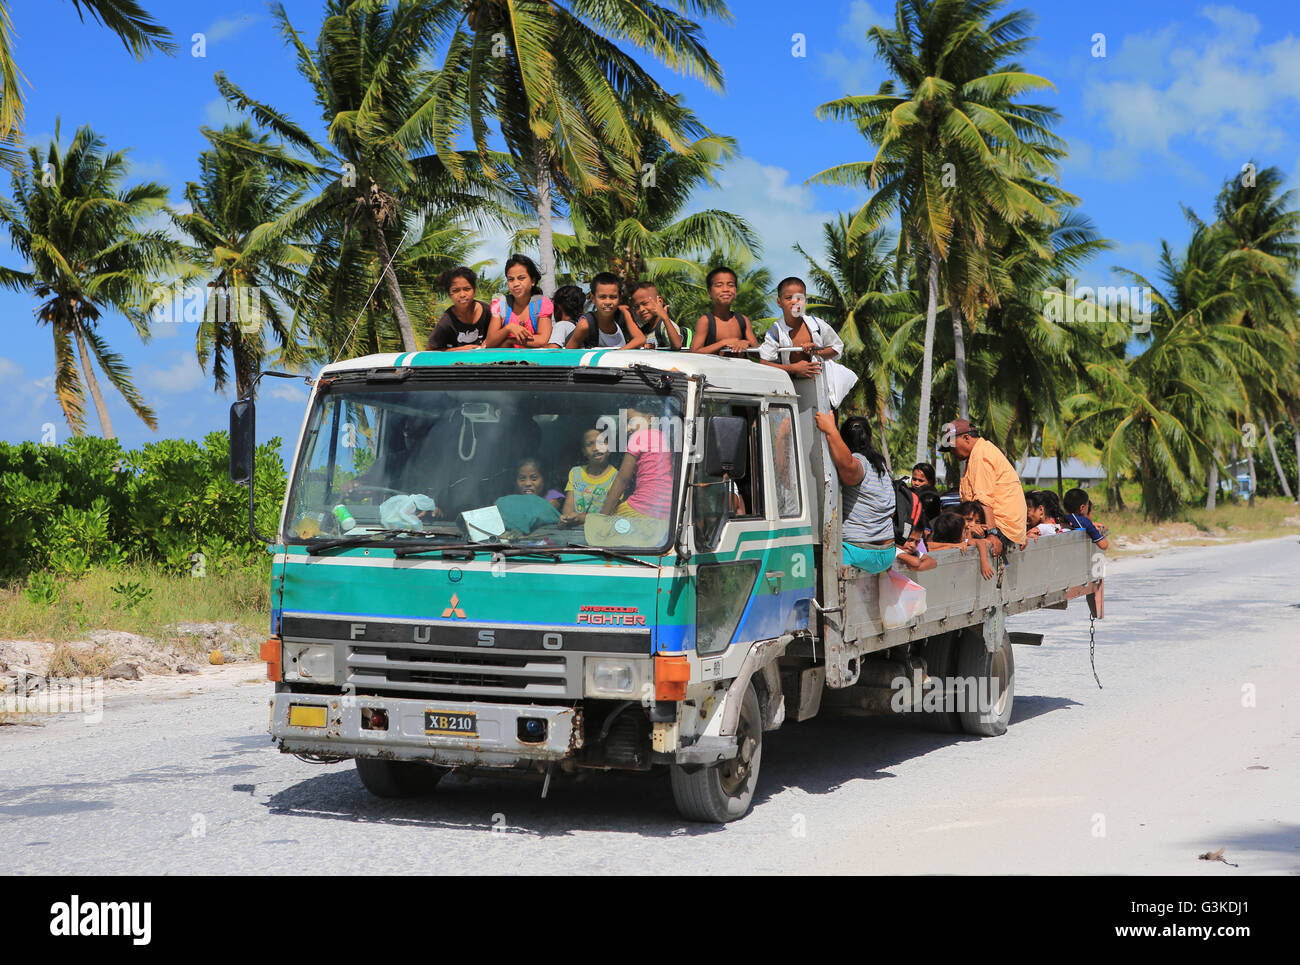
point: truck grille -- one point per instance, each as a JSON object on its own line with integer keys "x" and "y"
{"x": 415, "y": 669}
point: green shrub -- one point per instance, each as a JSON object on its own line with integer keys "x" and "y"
{"x": 88, "y": 503}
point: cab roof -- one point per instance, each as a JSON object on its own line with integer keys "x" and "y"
{"x": 741, "y": 375}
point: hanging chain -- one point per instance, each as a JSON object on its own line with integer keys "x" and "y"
{"x": 1092, "y": 649}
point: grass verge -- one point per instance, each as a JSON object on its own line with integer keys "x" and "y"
{"x": 139, "y": 599}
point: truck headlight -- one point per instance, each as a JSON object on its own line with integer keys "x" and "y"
{"x": 611, "y": 678}
{"x": 310, "y": 663}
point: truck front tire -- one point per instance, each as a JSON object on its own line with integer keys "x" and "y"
{"x": 723, "y": 792}
{"x": 384, "y": 778}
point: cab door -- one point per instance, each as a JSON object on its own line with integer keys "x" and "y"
{"x": 746, "y": 573}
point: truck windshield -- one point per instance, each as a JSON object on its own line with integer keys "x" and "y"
{"x": 527, "y": 467}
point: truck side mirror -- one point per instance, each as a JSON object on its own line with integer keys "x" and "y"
{"x": 726, "y": 446}
{"x": 241, "y": 441}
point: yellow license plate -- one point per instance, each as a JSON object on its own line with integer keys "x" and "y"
{"x": 301, "y": 715}
{"x": 457, "y": 724}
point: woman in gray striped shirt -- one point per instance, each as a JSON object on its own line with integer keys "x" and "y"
{"x": 867, "y": 493}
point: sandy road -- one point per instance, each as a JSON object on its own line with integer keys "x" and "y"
{"x": 1193, "y": 745}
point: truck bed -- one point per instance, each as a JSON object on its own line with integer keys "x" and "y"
{"x": 1048, "y": 572}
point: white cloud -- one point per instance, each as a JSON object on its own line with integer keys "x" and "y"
{"x": 217, "y": 113}
{"x": 1221, "y": 90}
{"x": 28, "y": 405}
{"x": 852, "y": 64}
{"x": 288, "y": 391}
{"x": 183, "y": 375}
{"x": 780, "y": 209}
{"x": 228, "y": 27}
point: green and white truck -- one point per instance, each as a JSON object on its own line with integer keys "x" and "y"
{"x": 418, "y": 641}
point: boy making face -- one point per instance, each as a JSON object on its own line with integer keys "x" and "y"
{"x": 652, "y": 313}
{"x": 722, "y": 331}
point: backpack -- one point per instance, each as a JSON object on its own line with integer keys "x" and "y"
{"x": 593, "y": 328}
{"x": 907, "y": 511}
{"x": 506, "y": 309}
{"x": 711, "y": 331}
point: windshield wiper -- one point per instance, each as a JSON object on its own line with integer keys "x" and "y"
{"x": 588, "y": 550}
{"x": 374, "y": 535}
{"x": 463, "y": 551}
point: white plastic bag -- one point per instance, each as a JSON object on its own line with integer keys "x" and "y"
{"x": 399, "y": 512}
{"x": 840, "y": 380}
{"x": 901, "y": 599}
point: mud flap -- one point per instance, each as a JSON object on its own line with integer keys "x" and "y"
{"x": 995, "y": 630}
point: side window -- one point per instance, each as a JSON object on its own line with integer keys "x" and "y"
{"x": 745, "y": 493}
{"x": 780, "y": 425}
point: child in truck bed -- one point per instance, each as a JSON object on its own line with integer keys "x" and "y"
{"x": 913, "y": 555}
{"x": 949, "y": 532}
{"x": 1078, "y": 515}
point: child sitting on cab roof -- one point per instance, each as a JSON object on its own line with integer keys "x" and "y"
{"x": 722, "y": 331}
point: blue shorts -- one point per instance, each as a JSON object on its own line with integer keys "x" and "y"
{"x": 872, "y": 559}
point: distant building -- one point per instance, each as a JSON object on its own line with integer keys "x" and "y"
{"x": 1041, "y": 471}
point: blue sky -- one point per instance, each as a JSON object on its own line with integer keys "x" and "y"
{"x": 1184, "y": 96}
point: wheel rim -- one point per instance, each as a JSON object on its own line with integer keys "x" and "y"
{"x": 737, "y": 773}
{"x": 1000, "y": 672}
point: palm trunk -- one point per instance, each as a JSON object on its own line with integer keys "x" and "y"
{"x": 927, "y": 361}
{"x": 1232, "y": 468}
{"x": 884, "y": 446}
{"x": 959, "y": 360}
{"x": 545, "y": 242}
{"x": 395, "y": 292}
{"x": 1295, "y": 434}
{"x": 92, "y": 386}
{"x": 1250, "y": 456}
{"x": 1024, "y": 459}
{"x": 1060, "y": 487}
{"x": 1212, "y": 484}
{"x": 1277, "y": 463}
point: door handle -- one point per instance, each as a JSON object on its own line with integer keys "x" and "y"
{"x": 776, "y": 575}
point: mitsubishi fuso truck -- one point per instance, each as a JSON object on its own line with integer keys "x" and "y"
{"x": 436, "y": 606}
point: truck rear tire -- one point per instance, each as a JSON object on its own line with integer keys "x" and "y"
{"x": 993, "y": 675}
{"x": 940, "y": 658}
{"x": 384, "y": 778}
{"x": 723, "y": 792}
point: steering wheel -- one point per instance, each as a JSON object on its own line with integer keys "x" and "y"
{"x": 370, "y": 488}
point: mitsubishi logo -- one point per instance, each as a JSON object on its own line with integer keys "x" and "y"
{"x": 454, "y": 608}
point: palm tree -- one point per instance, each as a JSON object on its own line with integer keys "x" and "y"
{"x": 650, "y": 239}
{"x": 375, "y": 187}
{"x": 855, "y": 292}
{"x": 1264, "y": 234}
{"x": 1032, "y": 346}
{"x": 955, "y": 152}
{"x": 1160, "y": 411}
{"x": 138, "y": 32}
{"x": 253, "y": 275}
{"x": 87, "y": 253}
{"x": 569, "y": 102}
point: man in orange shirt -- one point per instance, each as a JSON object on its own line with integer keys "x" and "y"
{"x": 990, "y": 478}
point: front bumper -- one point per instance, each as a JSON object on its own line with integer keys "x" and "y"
{"x": 496, "y": 744}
